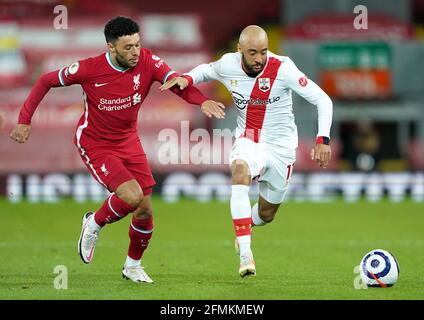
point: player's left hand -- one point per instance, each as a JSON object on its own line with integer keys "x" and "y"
{"x": 321, "y": 154}
{"x": 181, "y": 82}
{"x": 212, "y": 108}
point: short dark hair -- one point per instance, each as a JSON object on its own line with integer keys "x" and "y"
{"x": 120, "y": 26}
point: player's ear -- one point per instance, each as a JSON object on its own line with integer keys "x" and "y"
{"x": 238, "y": 47}
{"x": 111, "y": 47}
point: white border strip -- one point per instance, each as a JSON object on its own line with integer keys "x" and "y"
{"x": 78, "y": 136}
{"x": 111, "y": 208}
{"x": 60, "y": 77}
{"x": 141, "y": 231}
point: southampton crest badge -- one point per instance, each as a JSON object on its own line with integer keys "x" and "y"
{"x": 264, "y": 84}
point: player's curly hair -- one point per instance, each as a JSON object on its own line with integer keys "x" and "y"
{"x": 120, "y": 26}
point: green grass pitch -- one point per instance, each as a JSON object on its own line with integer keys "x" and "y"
{"x": 308, "y": 252}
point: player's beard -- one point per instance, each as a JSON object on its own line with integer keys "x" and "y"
{"x": 122, "y": 62}
{"x": 249, "y": 68}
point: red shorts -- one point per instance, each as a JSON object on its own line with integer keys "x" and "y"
{"x": 111, "y": 165}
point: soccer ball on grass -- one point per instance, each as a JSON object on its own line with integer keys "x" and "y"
{"x": 379, "y": 268}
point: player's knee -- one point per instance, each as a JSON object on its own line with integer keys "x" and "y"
{"x": 267, "y": 215}
{"x": 134, "y": 198}
{"x": 240, "y": 179}
{"x": 143, "y": 212}
{"x": 240, "y": 174}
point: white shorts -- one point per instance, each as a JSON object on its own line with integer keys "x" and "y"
{"x": 271, "y": 165}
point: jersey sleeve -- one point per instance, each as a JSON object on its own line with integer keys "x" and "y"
{"x": 160, "y": 70}
{"x": 76, "y": 73}
{"x": 204, "y": 72}
{"x": 37, "y": 93}
{"x": 296, "y": 80}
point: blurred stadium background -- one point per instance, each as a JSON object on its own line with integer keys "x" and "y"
{"x": 375, "y": 77}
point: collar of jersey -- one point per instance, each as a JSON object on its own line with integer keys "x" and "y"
{"x": 109, "y": 60}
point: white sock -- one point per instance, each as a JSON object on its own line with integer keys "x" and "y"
{"x": 240, "y": 202}
{"x": 257, "y": 221}
{"x": 130, "y": 262}
{"x": 244, "y": 243}
{"x": 240, "y": 209}
{"x": 93, "y": 225}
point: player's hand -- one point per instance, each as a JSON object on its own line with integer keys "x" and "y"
{"x": 177, "y": 81}
{"x": 20, "y": 133}
{"x": 212, "y": 108}
{"x": 321, "y": 154}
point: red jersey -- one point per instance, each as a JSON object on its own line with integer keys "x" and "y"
{"x": 112, "y": 95}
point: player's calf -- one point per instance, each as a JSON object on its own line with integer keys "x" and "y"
{"x": 263, "y": 212}
{"x": 112, "y": 210}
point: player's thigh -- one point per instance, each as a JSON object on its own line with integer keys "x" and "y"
{"x": 273, "y": 184}
{"x": 138, "y": 165}
{"x": 106, "y": 168}
{"x": 246, "y": 151}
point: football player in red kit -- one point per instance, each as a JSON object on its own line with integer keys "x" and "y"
{"x": 114, "y": 85}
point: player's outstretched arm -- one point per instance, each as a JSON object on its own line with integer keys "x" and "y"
{"x": 306, "y": 88}
{"x": 183, "y": 86}
{"x": 73, "y": 74}
{"x": 202, "y": 73}
{"x": 22, "y": 130}
{"x": 20, "y": 133}
{"x": 185, "y": 89}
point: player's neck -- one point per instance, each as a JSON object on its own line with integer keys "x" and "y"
{"x": 115, "y": 62}
{"x": 249, "y": 74}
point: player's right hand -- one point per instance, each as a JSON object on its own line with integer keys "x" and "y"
{"x": 20, "y": 133}
{"x": 212, "y": 108}
{"x": 179, "y": 81}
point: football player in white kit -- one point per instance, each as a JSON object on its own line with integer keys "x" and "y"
{"x": 261, "y": 85}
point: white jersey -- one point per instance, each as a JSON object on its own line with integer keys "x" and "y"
{"x": 264, "y": 103}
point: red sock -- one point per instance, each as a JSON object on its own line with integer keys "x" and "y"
{"x": 242, "y": 226}
{"x": 112, "y": 210}
{"x": 140, "y": 233}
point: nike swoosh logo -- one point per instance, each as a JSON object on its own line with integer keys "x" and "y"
{"x": 90, "y": 256}
{"x": 100, "y": 84}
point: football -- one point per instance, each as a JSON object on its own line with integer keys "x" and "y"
{"x": 379, "y": 268}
